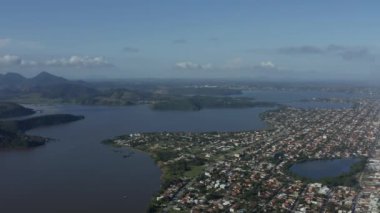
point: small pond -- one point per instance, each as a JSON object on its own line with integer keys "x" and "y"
{"x": 318, "y": 169}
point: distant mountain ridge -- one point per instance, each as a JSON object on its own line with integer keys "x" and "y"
{"x": 45, "y": 78}
{"x": 11, "y": 79}
{"x": 15, "y": 80}
{"x": 48, "y": 88}
{"x": 44, "y": 85}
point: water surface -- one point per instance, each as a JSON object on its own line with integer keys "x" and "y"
{"x": 303, "y": 99}
{"x": 318, "y": 169}
{"x": 76, "y": 173}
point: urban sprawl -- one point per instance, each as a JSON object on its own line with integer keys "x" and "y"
{"x": 249, "y": 171}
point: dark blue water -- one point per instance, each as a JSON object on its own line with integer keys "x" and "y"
{"x": 77, "y": 173}
{"x": 318, "y": 169}
{"x": 297, "y": 98}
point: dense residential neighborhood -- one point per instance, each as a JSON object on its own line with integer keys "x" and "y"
{"x": 249, "y": 171}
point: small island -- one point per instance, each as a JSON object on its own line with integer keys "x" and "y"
{"x": 13, "y": 140}
{"x": 12, "y": 132}
{"x": 196, "y": 103}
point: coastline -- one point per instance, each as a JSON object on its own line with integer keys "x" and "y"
{"x": 188, "y": 147}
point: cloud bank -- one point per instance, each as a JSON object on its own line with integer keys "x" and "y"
{"x": 72, "y": 61}
{"x": 236, "y": 64}
{"x": 188, "y": 65}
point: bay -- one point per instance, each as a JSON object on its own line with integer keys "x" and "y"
{"x": 77, "y": 173}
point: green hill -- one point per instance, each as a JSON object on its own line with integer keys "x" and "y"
{"x": 8, "y": 110}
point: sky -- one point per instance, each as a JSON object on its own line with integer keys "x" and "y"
{"x": 233, "y": 39}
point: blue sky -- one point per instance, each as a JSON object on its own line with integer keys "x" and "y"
{"x": 312, "y": 40}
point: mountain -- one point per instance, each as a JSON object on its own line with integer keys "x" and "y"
{"x": 46, "y": 79}
{"x": 13, "y": 77}
{"x": 55, "y": 87}
{"x": 44, "y": 85}
{"x": 17, "y": 81}
{"x": 11, "y": 80}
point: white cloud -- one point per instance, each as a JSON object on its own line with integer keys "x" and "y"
{"x": 13, "y": 60}
{"x": 188, "y": 65}
{"x": 235, "y": 64}
{"x": 78, "y": 61}
{"x": 238, "y": 64}
{"x": 10, "y": 60}
{"x": 72, "y": 61}
{"x": 29, "y": 63}
{"x": 267, "y": 65}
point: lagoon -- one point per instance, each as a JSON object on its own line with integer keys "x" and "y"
{"x": 303, "y": 99}
{"x": 77, "y": 173}
{"x": 319, "y": 169}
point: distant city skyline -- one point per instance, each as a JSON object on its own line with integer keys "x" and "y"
{"x": 263, "y": 40}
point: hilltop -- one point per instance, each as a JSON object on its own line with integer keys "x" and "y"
{"x": 48, "y": 88}
{"x": 12, "y": 132}
{"x": 8, "y": 109}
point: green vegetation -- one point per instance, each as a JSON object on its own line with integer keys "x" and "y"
{"x": 10, "y": 139}
{"x": 8, "y": 110}
{"x": 345, "y": 179}
{"x": 203, "y": 91}
{"x": 164, "y": 155}
{"x": 47, "y": 88}
{"x": 172, "y": 166}
{"x": 176, "y": 104}
{"x": 174, "y": 171}
{"x": 202, "y": 102}
{"x": 47, "y": 120}
{"x": 40, "y": 121}
{"x": 12, "y": 131}
{"x": 194, "y": 171}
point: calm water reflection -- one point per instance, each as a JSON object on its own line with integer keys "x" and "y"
{"x": 318, "y": 169}
{"x": 76, "y": 173}
{"x": 297, "y": 98}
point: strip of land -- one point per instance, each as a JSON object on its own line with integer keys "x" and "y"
{"x": 248, "y": 171}
{"x": 12, "y": 131}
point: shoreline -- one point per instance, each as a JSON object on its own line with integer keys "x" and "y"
{"x": 173, "y": 188}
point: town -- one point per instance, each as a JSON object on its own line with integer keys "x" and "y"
{"x": 249, "y": 171}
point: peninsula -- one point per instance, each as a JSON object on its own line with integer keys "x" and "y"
{"x": 12, "y": 132}
{"x": 249, "y": 171}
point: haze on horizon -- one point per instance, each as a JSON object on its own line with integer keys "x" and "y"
{"x": 265, "y": 40}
